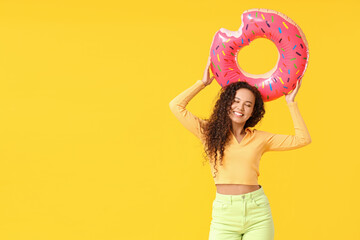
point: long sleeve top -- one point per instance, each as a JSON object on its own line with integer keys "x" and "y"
{"x": 241, "y": 160}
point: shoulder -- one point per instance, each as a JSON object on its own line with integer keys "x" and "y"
{"x": 260, "y": 133}
{"x": 203, "y": 121}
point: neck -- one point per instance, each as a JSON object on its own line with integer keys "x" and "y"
{"x": 238, "y": 129}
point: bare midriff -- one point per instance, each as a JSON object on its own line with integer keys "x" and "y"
{"x": 235, "y": 189}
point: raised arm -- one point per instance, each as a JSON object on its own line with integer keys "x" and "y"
{"x": 178, "y": 104}
{"x": 178, "y": 108}
{"x": 281, "y": 142}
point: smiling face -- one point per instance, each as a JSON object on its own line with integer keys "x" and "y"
{"x": 243, "y": 104}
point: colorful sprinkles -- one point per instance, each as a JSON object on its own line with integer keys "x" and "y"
{"x": 285, "y": 36}
{"x": 285, "y": 25}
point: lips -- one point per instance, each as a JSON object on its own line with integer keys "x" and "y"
{"x": 239, "y": 114}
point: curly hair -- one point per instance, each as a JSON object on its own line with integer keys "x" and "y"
{"x": 216, "y": 128}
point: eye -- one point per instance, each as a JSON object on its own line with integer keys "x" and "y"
{"x": 248, "y": 105}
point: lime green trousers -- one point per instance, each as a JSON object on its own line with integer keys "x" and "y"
{"x": 242, "y": 217}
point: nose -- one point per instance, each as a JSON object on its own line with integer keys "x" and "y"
{"x": 241, "y": 108}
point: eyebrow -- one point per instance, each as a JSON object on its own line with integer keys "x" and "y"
{"x": 245, "y": 101}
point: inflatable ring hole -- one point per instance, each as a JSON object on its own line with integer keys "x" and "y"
{"x": 260, "y": 57}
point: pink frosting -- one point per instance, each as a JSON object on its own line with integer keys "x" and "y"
{"x": 287, "y": 37}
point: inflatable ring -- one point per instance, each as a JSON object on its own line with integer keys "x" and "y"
{"x": 261, "y": 23}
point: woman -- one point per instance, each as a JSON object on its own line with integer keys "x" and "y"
{"x": 241, "y": 210}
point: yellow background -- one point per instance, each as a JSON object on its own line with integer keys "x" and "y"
{"x": 90, "y": 150}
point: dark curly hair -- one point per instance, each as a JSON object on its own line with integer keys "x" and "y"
{"x": 216, "y": 128}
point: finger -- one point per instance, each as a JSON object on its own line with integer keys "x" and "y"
{"x": 297, "y": 87}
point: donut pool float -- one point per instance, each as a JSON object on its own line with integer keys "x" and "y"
{"x": 261, "y": 23}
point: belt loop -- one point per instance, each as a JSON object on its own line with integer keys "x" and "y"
{"x": 231, "y": 200}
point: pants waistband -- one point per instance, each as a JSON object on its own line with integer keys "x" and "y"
{"x": 245, "y": 196}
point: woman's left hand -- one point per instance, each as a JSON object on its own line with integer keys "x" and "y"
{"x": 291, "y": 96}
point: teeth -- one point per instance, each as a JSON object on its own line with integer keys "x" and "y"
{"x": 239, "y": 114}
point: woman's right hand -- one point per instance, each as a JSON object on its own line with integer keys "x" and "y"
{"x": 206, "y": 78}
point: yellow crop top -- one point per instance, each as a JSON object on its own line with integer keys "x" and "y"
{"x": 241, "y": 160}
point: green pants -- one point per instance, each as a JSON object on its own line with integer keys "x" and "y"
{"x": 242, "y": 217}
